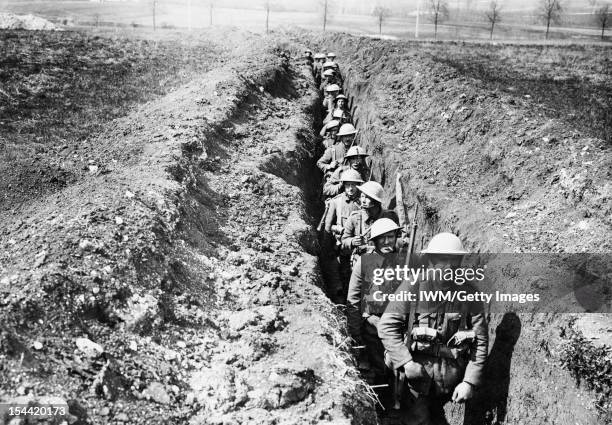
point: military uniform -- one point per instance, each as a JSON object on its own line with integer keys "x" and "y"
{"x": 331, "y": 154}
{"x": 346, "y": 116}
{"x": 328, "y": 142}
{"x": 333, "y": 185}
{"x": 327, "y": 81}
{"x": 328, "y": 104}
{"x": 317, "y": 68}
{"x": 363, "y": 311}
{"x": 359, "y": 223}
{"x": 340, "y": 207}
{"x": 445, "y": 361}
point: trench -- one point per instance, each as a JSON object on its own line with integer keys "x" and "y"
{"x": 270, "y": 184}
{"x": 519, "y": 372}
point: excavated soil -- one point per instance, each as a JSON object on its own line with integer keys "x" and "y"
{"x": 181, "y": 285}
{"x": 506, "y": 167}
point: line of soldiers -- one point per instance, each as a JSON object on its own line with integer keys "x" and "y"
{"x": 428, "y": 354}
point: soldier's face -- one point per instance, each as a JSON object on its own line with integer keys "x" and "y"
{"x": 355, "y": 162}
{"x": 350, "y": 188}
{"x": 444, "y": 261}
{"x": 385, "y": 243}
{"x": 347, "y": 140}
{"x": 341, "y": 103}
{"x": 332, "y": 133}
{"x": 366, "y": 201}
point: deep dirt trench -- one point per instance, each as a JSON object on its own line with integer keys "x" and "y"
{"x": 192, "y": 261}
{"x": 283, "y": 347}
{"x": 193, "y": 266}
{"x": 408, "y": 109}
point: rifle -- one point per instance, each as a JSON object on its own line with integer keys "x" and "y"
{"x": 322, "y": 222}
{"x": 362, "y": 234}
{"x": 399, "y": 376}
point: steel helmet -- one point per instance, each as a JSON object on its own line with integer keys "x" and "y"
{"x": 382, "y": 226}
{"x": 328, "y": 73}
{"x": 341, "y": 96}
{"x": 355, "y": 151}
{"x": 329, "y": 64}
{"x": 347, "y": 130}
{"x": 319, "y": 56}
{"x": 332, "y": 87}
{"x": 332, "y": 124}
{"x": 307, "y": 51}
{"x": 445, "y": 243}
{"x": 351, "y": 175}
{"x": 338, "y": 113}
{"x": 331, "y": 55}
{"x": 372, "y": 190}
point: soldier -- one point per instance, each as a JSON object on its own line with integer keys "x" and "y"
{"x": 328, "y": 78}
{"x": 353, "y": 160}
{"x": 358, "y": 225}
{"x": 308, "y": 57}
{"x": 334, "y": 155}
{"x": 339, "y": 208}
{"x": 340, "y": 111}
{"x": 363, "y": 311}
{"x": 337, "y": 115}
{"x": 331, "y": 91}
{"x": 331, "y": 59}
{"x": 329, "y": 133}
{"x": 444, "y": 349}
{"x": 318, "y": 67}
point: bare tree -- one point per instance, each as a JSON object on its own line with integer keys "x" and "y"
{"x": 210, "y": 13}
{"x": 602, "y": 17}
{"x": 550, "y": 12}
{"x": 154, "y": 12}
{"x": 381, "y": 14}
{"x": 324, "y": 5}
{"x": 267, "y": 6}
{"x": 439, "y": 12}
{"x": 493, "y": 15}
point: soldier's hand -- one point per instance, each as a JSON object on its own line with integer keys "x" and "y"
{"x": 414, "y": 370}
{"x": 373, "y": 320}
{"x": 463, "y": 392}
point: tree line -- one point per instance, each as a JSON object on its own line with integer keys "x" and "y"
{"x": 548, "y": 12}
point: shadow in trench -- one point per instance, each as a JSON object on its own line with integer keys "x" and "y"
{"x": 490, "y": 404}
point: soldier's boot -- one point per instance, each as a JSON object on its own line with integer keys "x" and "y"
{"x": 334, "y": 284}
{"x": 375, "y": 350}
{"x": 330, "y": 266}
{"x": 415, "y": 411}
{"x": 345, "y": 272}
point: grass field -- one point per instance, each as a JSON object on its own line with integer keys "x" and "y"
{"x": 60, "y": 88}
{"x": 254, "y": 19}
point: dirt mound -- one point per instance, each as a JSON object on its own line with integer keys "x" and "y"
{"x": 10, "y": 21}
{"x": 181, "y": 284}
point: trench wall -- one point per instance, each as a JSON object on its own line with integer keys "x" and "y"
{"x": 191, "y": 260}
{"x": 467, "y": 162}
